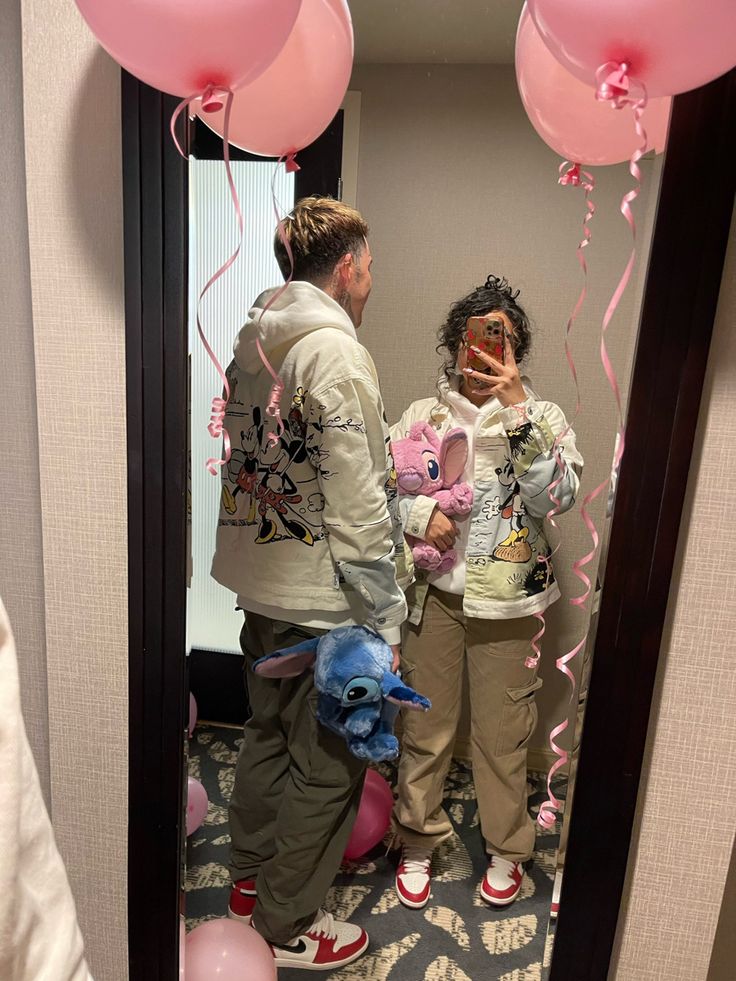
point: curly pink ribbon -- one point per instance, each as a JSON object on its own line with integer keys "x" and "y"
{"x": 212, "y": 100}
{"x": 273, "y": 408}
{"x": 617, "y": 87}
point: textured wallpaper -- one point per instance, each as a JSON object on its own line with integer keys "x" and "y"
{"x": 21, "y": 551}
{"x": 71, "y": 100}
{"x": 455, "y": 184}
{"x": 687, "y": 800}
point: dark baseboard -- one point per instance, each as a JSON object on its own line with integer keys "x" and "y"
{"x": 216, "y": 681}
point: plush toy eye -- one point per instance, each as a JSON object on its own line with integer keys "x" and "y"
{"x": 433, "y": 467}
{"x": 360, "y": 690}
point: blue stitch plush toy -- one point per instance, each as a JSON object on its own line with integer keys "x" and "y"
{"x": 359, "y": 697}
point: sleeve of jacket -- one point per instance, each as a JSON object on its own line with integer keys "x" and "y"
{"x": 531, "y": 429}
{"x": 348, "y": 443}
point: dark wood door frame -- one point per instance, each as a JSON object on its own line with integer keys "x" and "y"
{"x": 680, "y": 298}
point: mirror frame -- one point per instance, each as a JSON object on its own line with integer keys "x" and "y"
{"x": 691, "y": 233}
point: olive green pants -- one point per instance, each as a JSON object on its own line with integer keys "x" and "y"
{"x": 296, "y": 793}
{"x": 503, "y": 718}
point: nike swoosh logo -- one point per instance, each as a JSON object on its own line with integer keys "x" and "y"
{"x": 298, "y": 948}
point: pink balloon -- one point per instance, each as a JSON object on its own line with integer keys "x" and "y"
{"x": 183, "y": 46}
{"x": 374, "y": 815}
{"x": 567, "y": 115}
{"x": 296, "y": 98}
{"x": 225, "y": 950}
{"x": 192, "y": 714}
{"x": 197, "y": 804}
{"x": 670, "y": 45}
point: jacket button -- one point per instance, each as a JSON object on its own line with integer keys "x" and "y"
{"x": 381, "y": 620}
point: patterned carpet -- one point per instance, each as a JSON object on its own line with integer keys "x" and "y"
{"x": 455, "y": 938}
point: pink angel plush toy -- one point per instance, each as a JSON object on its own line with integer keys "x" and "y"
{"x": 432, "y": 467}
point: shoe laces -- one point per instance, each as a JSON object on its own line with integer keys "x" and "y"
{"x": 495, "y": 860}
{"x": 324, "y": 925}
{"x": 416, "y": 860}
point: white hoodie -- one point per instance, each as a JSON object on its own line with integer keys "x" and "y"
{"x": 39, "y": 935}
{"x": 309, "y": 529}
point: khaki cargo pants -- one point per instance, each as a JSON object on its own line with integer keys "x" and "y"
{"x": 503, "y": 718}
{"x": 296, "y": 793}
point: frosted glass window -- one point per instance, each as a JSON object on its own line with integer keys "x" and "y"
{"x": 212, "y": 623}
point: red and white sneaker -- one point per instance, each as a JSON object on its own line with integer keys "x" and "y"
{"x": 242, "y": 901}
{"x": 502, "y": 882}
{"x": 327, "y": 944}
{"x": 414, "y": 878}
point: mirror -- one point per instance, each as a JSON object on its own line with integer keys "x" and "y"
{"x": 434, "y": 148}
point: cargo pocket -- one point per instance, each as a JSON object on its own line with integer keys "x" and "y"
{"x": 518, "y": 718}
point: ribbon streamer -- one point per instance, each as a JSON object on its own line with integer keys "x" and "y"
{"x": 273, "y": 407}
{"x": 212, "y": 100}
{"x": 614, "y": 85}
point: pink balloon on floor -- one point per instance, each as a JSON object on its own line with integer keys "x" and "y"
{"x": 670, "y": 45}
{"x": 567, "y": 115}
{"x": 225, "y": 950}
{"x": 182, "y": 46}
{"x": 192, "y": 714}
{"x": 296, "y": 98}
{"x": 374, "y": 815}
{"x": 197, "y": 803}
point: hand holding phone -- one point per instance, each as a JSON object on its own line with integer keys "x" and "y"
{"x": 488, "y": 334}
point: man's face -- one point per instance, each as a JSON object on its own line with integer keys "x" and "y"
{"x": 359, "y": 283}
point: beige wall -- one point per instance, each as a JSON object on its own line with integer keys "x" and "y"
{"x": 455, "y": 184}
{"x": 67, "y": 549}
{"x": 21, "y": 550}
{"x": 687, "y": 801}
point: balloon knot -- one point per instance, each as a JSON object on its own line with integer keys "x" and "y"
{"x": 213, "y": 98}
{"x": 571, "y": 177}
{"x": 615, "y": 85}
{"x": 291, "y": 165}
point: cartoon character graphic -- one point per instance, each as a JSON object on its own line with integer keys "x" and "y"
{"x": 260, "y": 470}
{"x": 515, "y": 547}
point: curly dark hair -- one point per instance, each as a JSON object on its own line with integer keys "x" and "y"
{"x": 495, "y": 294}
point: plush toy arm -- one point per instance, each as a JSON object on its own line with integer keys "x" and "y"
{"x": 288, "y": 663}
{"x": 394, "y": 690}
{"x": 361, "y": 720}
{"x": 457, "y": 500}
{"x": 463, "y": 498}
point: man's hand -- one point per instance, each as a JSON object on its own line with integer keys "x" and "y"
{"x": 396, "y": 651}
{"x": 441, "y": 531}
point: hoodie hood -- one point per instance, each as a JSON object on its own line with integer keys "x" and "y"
{"x": 301, "y": 309}
{"x": 464, "y": 409}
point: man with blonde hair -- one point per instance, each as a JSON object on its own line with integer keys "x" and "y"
{"x": 308, "y": 537}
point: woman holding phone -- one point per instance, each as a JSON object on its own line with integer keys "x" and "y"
{"x": 481, "y": 611}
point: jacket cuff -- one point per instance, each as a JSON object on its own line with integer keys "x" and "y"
{"x": 392, "y": 635}
{"x": 528, "y": 411}
{"x": 419, "y": 516}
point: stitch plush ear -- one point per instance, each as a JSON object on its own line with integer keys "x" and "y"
{"x": 290, "y": 662}
{"x": 394, "y": 690}
{"x": 423, "y": 431}
{"x": 453, "y": 456}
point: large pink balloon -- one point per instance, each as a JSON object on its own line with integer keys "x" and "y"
{"x": 182, "y": 46}
{"x": 295, "y": 99}
{"x": 567, "y": 115}
{"x": 197, "y": 803}
{"x": 670, "y": 45}
{"x": 225, "y": 950}
{"x": 374, "y": 814}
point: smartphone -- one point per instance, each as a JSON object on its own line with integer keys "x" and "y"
{"x": 488, "y": 334}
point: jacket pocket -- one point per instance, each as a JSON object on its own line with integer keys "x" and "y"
{"x": 518, "y": 718}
